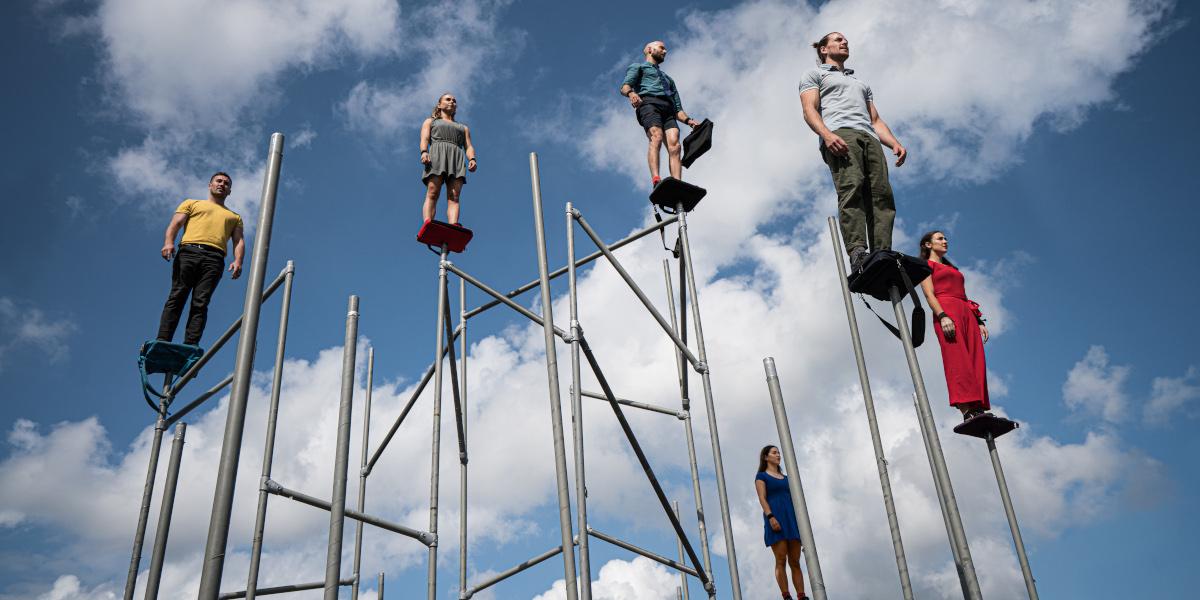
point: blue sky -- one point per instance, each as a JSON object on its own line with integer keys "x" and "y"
{"x": 1052, "y": 142}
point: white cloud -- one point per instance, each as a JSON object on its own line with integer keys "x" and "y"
{"x": 1096, "y": 387}
{"x": 639, "y": 579}
{"x": 25, "y": 326}
{"x": 1171, "y": 395}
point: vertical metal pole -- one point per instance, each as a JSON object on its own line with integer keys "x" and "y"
{"x": 380, "y": 586}
{"x": 864, "y": 382}
{"x": 362, "y": 475}
{"x": 950, "y": 505}
{"x": 462, "y": 464}
{"x": 260, "y": 517}
{"x": 718, "y": 463}
{"x": 585, "y": 566}
{"x": 436, "y": 436}
{"x": 560, "y": 459}
{"x": 1026, "y": 572}
{"x": 815, "y": 580}
{"x": 341, "y": 462}
{"x": 139, "y": 534}
{"x": 154, "y": 577}
{"x": 681, "y": 367}
{"x": 235, "y": 421}
{"x": 681, "y": 592}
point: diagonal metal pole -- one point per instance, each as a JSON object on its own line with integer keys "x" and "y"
{"x": 260, "y": 516}
{"x": 706, "y": 379}
{"x": 362, "y": 475}
{"x": 687, "y": 412}
{"x": 560, "y": 458}
{"x": 154, "y": 577}
{"x": 885, "y": 482}
{"x": 795, "y": 489}
{"x": 235, "y": 422}
{"x": 412, "y": 400}
{"x": 341, "y": 462}
{"x": 585, "y": 565}
{"x": 949, "y": 505}
{"x": 436, "y": 436}
{"x": 1018, "y": 543}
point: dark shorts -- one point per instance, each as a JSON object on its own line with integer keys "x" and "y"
{"x": 656, "y": 111}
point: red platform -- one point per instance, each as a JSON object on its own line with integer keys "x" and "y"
{"x": 435, "y": 233}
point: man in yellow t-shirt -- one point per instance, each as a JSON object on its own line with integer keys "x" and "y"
{"x": 207, "y": 229}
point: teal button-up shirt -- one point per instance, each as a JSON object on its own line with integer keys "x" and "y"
{"x": 647, "y": 79}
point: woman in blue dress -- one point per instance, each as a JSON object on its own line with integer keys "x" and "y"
{"x": 779, "y": 521}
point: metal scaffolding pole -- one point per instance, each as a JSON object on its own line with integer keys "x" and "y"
{"x": 687, "y": 410}
{"x": 424, "y": 537}
{"x": 380, "y": 585}
{"x": 679, "y": 566}
{"x": 949, "y": 504}
{"x": 362, "y": 474}
{"x": 260, "y": 517}
{"x": 154, "y": 577}
{"x": 462, "y": 466}
{"x": 231, "y": 445}
{"x": 682, "y": 592}
{"x": 560, "y": 460}
{"x": 938, "y": 488}
{"x": 436, "y": 443}
{"x": 885, "y": 483}
{"x": 139, "y": 534}
{"x": 505, "y": 574}
{"x": 718, "y": 463}
{"x": 1018, "y": 543}
{"x": 796, "y": 490}
{"x": 585, "y": 566}
{"x": 341, "y": 461}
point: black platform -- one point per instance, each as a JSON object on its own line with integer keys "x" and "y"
{"x": 880, "y": 273}
{"x": 984, "y": 424}
{"x": 435, "y": 233}
{"x": 670, "y": 192}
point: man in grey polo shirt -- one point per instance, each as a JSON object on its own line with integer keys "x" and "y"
{"x": 840, "y": 108}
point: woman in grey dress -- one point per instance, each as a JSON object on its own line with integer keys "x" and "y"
{"x": 447, "y": 154}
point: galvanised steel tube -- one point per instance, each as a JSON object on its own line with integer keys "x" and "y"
{"x": 501, "y": 298}
{"x": 462, "y": 465}
{"x": 154, "y": 577}
{"x": 362, "y": 474}
{"x": 885, "y": 482}
{"x": 585, "y": 564}
{"x": 579, "y": 263}
{"x": 560, "y": 459}
{"x": 682, "y": 568}
{"x": 424, "y": 537}
{"x": 687, "y": 411}
{"x": 231, "y": 445}
{"x": 682, "y": 592}
{"x": 635, "y": 404}
{"x": 436, "y": 436}
{"x": 260, "y": 516}
{"x": 387, "y": 438}
{"x": 201, "y": 399}
{"x": 281, "y": 589}
{"x": 458, "y": 414}
{"x": 380, "y": 585}
{"x": 950, "y": 505}
{"x": 1026, "y": 572}
{"x": 501, "y": 576}
{"x": 941, "y": 499}
{"x": 796, "y": 490}
{"x": 341, "y": 461}
{"x": 139, "y": 534}
{"x": 735, "y": 581}
{"x": 616, "y": 264}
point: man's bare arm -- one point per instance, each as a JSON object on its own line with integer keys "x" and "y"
{"x": 177, "y": 222}
{"x": 239, "y": 252}
{"x": 634, "y": 99}
{"x": 812, "y": 116}
{"x": 885, "y": 135}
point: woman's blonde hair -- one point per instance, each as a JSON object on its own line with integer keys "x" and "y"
{"x": 437, "y": 111}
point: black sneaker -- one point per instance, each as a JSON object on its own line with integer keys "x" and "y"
{"x": 971, "y": 414}
{"x": 858, "y": 255}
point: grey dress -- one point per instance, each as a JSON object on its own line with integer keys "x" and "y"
{"x": 447, "y": 151}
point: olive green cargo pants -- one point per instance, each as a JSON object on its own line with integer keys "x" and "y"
{"x": 865, "y": 203}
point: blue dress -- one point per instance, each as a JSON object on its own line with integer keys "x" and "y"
{"x": 780, "y": 501}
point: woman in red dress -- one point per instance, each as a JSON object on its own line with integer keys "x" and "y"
{"x": 960, "y": 329}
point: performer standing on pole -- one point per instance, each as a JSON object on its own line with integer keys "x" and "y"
{"x": 656, "y": 103}
{"x": 960, "y": 329}
{"x": 840, "y": 108}
{"x": 447, "y": 154}
{"x": 780, "y": 532}
{"x": 208, "y": 226}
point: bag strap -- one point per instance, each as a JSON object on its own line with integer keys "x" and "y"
{"x": 917, "y": 331}
{"x": 663, "y": 234}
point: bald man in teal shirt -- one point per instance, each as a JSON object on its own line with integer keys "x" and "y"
{"x": 656, "y": 103}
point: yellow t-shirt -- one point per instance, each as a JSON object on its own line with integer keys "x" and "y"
{"x": 208, "y": 223}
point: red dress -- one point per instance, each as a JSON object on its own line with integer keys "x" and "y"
{"x": 962, "y": 357}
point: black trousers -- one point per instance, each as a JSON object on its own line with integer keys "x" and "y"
{"x": 195, "y": 271}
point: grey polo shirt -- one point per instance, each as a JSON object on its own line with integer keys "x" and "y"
{"x": 843, "y": 98}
